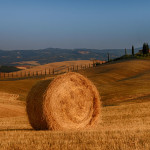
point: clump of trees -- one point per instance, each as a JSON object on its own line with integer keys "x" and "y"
{"x": 145, "y": 48}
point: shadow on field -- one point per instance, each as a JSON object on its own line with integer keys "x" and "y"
{"x": 16, "y": 130}
{"x": 23, "y": 78}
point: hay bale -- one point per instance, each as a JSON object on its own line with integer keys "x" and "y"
{"x": 69, "y": 102}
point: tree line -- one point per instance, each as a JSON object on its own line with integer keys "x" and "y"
{"x": 145, "y": 49}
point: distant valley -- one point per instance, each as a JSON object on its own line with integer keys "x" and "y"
{"x": 49, "y": 55}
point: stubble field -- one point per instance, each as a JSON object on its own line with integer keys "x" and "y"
{"x": 125, "y": 119}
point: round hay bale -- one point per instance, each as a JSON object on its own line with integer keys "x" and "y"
{"x": 69, "y": 102}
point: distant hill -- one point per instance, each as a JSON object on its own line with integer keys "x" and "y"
{"x": 49, "y": 55}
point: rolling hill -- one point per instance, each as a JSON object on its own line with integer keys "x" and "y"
{"x": 125, "y": 115}
{"x": 58, "y": 66}
{"x": 117, "y": 82}
{"x": 123, "y": 81}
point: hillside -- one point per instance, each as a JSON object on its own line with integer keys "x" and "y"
{"x": 121, "y": 81}
{"x": 125, "y": 115}
{"x": 49, "y": 55}
{"x": 58, "y": 66}
{"x": 117, "y": 82}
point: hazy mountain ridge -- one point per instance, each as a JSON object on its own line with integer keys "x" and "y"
{"x": 43, "y": 56}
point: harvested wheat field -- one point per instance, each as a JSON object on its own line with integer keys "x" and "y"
{"x": 57, "y": 66}
{"x": 123, "y": 127}
{"x": 10, "y": 107}
{"x": 125, "y": 113}
{"x": 69, "y": 102}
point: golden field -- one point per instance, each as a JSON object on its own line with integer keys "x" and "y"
{"x": 58, "y": 66}
{"x": 125, "y": 119}
{"x": 34, "y": 69}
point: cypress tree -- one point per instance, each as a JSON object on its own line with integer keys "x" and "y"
{"x": 132, "y": 50}
{"x": 145, "y": 48}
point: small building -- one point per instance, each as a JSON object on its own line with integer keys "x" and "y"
{"x": 141, "y": 51}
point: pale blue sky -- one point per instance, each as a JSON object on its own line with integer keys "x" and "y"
{"x": 98, "y": 24}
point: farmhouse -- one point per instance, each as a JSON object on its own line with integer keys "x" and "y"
{"x": 141, "y": 51}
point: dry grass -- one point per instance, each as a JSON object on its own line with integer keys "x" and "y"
{"x": 51, "y": 68}
{"x": 58, "y": 66}
{"x": 117, "y": 83}
{"x": 127, "y": 81}
{"x": 9, "y": 110}
{"x": 125, "y": 126}
{"x": 19, "y": 87}
{"x": 33, "y": 63}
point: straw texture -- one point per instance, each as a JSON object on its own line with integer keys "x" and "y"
{"x": 69, "y": 102}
